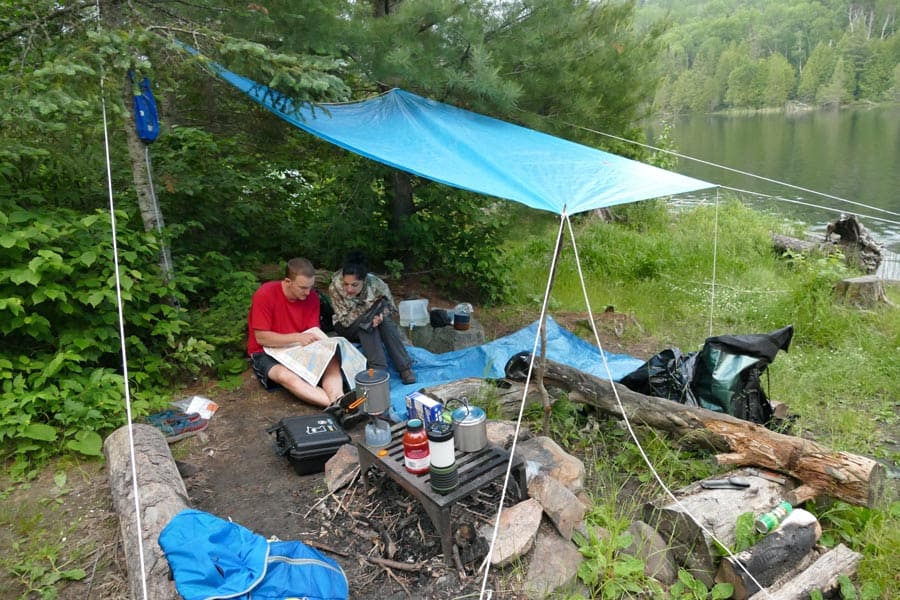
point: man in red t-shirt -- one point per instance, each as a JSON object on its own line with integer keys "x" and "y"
{"x": 286, "y": 313}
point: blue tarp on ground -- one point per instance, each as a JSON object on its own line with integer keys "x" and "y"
{"x": 489, "y": 360}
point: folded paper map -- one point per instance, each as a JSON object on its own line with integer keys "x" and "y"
{"x": 309, "y": 362}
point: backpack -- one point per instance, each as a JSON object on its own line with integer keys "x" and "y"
{"x": 666, "y": 375}
{"x": 724, "y": 376}
{"x": 214, "y": 558}
{"x": 728, "y": 371}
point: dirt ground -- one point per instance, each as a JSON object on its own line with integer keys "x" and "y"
{"x": 65, "y": 516}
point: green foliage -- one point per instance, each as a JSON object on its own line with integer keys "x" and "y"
{"x": 470, "y": 228}
{"x": 566, "y": 422}
{"x": 609, "y": 573}
{"x": 689, "y": 588}
{"x": 59, "y": 382}
{"x": 676, "y": 467}
{"x": 745, "y": 534}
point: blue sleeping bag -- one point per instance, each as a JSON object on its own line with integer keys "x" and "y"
{"x": 213, "y": 558}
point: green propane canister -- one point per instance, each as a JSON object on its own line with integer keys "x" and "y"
{"x": 770, "y": 521}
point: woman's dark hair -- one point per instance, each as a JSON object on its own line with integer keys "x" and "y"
{"x": 355, "y": 264}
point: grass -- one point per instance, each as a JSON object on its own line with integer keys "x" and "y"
{"x": 839, "y": 376}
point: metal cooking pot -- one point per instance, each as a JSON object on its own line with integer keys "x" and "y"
{"x": 470, "y": 423}
{"x": 374, "y": 386}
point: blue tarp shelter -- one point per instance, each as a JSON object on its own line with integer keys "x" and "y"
{"x": 488, "y": 156}
{"x": 474, "y": 152}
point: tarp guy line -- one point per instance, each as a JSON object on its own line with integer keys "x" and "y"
{"x": 631, "y": 432}
{"x": 802, "y": 203}
{"x": 115, "y": 248}
{"x": 746, "y": 173}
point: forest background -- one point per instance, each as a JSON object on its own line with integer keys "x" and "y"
{"x": 227, "y": 190}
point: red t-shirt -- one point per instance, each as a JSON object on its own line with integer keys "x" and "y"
{"x": 270, "y": 310}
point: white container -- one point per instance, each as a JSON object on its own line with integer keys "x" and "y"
{"x": 414, "y": 313}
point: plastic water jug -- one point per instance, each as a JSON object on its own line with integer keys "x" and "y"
{"x": 414, "y": 313}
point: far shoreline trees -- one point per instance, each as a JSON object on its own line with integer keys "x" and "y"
{"x": 738, "y": 55}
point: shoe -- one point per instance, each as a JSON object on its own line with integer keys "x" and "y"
{"x": 175, "y": 430}
{"x": 407, "y": 376}
{"x": 164, "y": 417}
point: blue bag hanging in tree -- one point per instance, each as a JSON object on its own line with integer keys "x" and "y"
{"x": 146, "y": 118}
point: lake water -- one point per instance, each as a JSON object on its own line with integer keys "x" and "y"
{"x": 851, "y": 155}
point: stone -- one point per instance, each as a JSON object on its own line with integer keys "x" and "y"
{"x": 518, "y": 528}
{"x": 446, "y": 339}
{"x": 501, "y": 433}
{"x": 342, "y": 468}
{"x": 652, "y": 549}
{"x": 563, "y": 508}
{"x": 554, "y": 564}
{"x": 542, "y": 455}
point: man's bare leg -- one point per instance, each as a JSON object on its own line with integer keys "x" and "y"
{"x": 299, "y": 388}
{"x": 332, "y": 380}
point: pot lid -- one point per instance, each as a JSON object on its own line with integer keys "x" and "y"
{"x": 372, "y": 376}
{"x": 468, "y": 415}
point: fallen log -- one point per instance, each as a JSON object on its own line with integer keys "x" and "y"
{"x": 162, "y": 495}
{"x": 841, "y": 475}
{"x": 772, "y": 557}
{"x": 822, "y": 575}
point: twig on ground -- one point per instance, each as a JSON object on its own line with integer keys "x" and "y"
{"x": 399, "y": 582}
{"x": 325, "y": 548}
{"x": 90, "y": 581}
{"x": 390, "y": 548}
{"x": 421, "y": 532}
{"x": 481, "y": 516}
{"x": 318, "y": 502}
{"x": 458, "y": 561}
{"x": 394, "y": 564}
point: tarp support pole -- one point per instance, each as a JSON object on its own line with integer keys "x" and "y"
{"x": 545, "y": 397}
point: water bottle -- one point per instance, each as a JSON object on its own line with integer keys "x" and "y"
{"x": 769, "y": 521}
{"x": 416, "y": 457}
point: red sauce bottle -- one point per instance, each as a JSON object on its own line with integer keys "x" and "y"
{"x": 416, "y": 458}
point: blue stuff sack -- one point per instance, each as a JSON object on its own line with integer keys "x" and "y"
{"x": 214, "y": 558}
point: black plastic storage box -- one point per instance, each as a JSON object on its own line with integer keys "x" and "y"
{"x": 309, "y": 441}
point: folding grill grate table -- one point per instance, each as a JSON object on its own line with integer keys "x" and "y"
{"x": 476, "y": 469}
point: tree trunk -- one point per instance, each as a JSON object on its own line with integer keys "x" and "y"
{"x": 862, "y": 292}
{"x": 161, "y": 496}
{"x": 402, "y": 205}
{"x": 139, "y": 153}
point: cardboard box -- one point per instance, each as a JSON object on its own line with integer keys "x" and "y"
{"x": 424, "y": 407}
